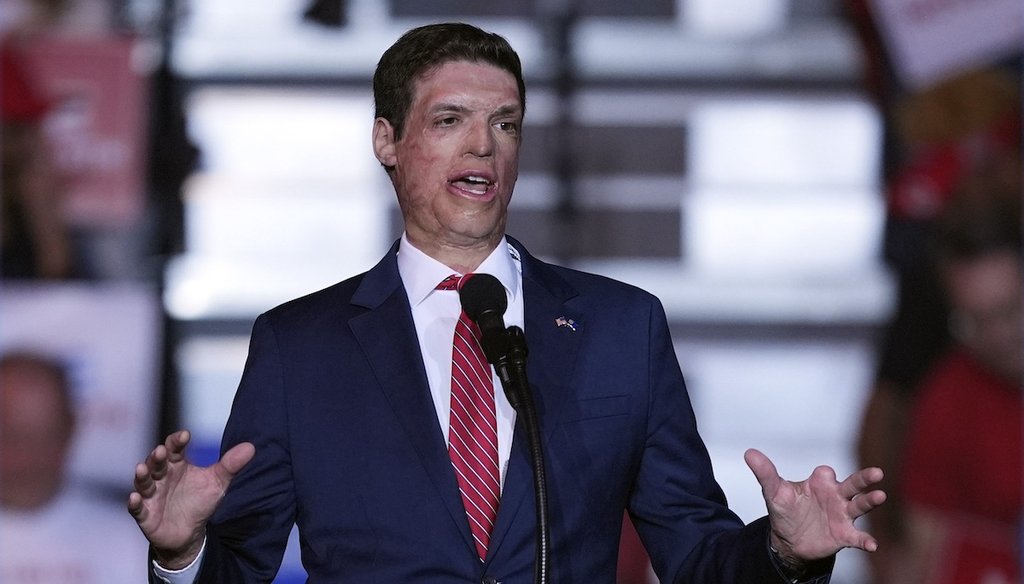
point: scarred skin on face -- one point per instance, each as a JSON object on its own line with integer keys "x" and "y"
{"x": 456, "y": 164}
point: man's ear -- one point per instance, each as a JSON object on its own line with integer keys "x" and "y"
{"x": 384, "y": 142}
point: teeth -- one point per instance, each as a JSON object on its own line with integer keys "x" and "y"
{"x": 475, "y": 179}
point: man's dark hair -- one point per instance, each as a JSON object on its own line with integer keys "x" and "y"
{"x": 422, "y": 49}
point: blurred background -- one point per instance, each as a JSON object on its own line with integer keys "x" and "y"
{"x": 173, "y": 168}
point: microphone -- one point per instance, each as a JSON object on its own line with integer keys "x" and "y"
{"x": 484, "y": 302}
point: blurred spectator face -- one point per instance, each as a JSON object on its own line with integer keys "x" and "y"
{"x": 985, "y": 295}
{"x": 36, "y": 426}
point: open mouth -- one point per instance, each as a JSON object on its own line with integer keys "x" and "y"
{"x": 473, "y": 184}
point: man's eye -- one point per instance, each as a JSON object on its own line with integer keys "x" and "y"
{"x": 510, "y": 127}
{"x": 449, "y": 121}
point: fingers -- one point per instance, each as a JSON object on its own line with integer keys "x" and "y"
{"x": 155, "y": 467}
{"x": 764, "y": 470}
{"x": 862, "y": 504}
{"x": 859, "y": 481}
{"x": 145, "y": 488}
{"x": 150, "y": 471}
{"x": 233, "y": 460}
{"x": 855, "y": 489}
{"x": 136, "y": 508}
{"x": 156, "y": 463}
{"x": 175, "y": 444}
{"x": 866, "y": 543}
{"x": 145, "y": 482}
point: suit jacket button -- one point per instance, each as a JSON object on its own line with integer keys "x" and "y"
{"x": 490, "y": 580}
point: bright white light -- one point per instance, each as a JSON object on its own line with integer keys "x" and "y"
{"x": 788, "y": 143}
{"x": 734, "y": 17}
{"x": 289, "y": 133}
{"x": 290, "y": 199}
{"x": 772, "y": 232}
{"x": 784, "y": 186}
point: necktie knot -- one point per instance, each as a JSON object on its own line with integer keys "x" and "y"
{"x": 450, "y": 283}
{"x": 454, "y": 282}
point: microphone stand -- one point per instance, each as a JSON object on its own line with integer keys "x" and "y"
{"x": 511, "y": 369}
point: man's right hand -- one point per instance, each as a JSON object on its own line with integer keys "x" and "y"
{"x": 173, "y": 499}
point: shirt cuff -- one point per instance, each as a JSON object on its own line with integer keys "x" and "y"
{"x": 814, "y": 572}
{"x": 186, "y": 575}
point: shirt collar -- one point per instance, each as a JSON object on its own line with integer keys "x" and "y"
{"x": 421, "y": 273}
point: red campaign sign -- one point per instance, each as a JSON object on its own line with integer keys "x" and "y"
{"x": 96, "y": 124}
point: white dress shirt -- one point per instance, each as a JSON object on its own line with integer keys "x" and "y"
{"x": 435, "y": 314}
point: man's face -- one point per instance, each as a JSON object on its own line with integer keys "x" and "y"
{"x": 456, "y": 164}
{"x": 985, "y": 296}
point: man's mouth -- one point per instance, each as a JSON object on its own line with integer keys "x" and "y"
{"x": 474, "y": 184}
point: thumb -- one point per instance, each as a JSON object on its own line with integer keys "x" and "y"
{"x": 233, "y": 461}
{"x": 764, "y": 470}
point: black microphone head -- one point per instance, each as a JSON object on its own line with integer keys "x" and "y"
{"x": 481, "y": 293}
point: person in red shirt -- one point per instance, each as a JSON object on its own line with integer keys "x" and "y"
{"x": 963, "y": 460}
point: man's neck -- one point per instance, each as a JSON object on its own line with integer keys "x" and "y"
{"x": 462, "y": 260}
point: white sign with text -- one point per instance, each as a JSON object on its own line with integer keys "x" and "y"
{"x": 932, "y": 40}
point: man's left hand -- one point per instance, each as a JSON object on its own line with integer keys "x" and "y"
{"x": 813, "y": 519}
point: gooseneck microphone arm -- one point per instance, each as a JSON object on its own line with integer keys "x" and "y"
{"x": 515, "y": 383}
{"x": 484, "y": 302}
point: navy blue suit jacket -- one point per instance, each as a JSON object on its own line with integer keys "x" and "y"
{"x": 335, "y": 399}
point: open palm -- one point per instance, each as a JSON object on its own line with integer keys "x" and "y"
{"x": 173, "y": 499}
{"x": 814, "y": 518}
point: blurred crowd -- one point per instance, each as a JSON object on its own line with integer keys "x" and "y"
{"x": 35, "y": 240}
{"x": 57, "y": 525}
{"x": 53, "y": 530}
{"x": 943, "y": 417}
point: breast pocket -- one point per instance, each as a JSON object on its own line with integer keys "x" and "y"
{"x": 596, "y": 408}
{"x": 593, "y": 449}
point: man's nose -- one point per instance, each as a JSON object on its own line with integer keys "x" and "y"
{"x": 480, "y": 141}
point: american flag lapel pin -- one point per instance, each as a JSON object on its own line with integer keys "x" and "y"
{"x": 566, "y": 322}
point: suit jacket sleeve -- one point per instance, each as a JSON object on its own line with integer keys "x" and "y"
{"x": 679, "y": 509}
{"x": 248, "y": 533}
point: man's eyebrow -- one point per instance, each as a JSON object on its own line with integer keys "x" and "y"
{"x": 505, "y": 110}
{"x": 508, "y": 110}
{"x": 448, "y": 107}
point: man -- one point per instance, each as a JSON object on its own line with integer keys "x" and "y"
{"x": 347, "y": 405}
{"x": 47, "y": 523}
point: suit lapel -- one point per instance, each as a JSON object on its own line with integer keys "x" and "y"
{"x": 387, "y": 336}
{"x": 551, "y": 360}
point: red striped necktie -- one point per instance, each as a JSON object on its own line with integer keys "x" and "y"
{"x": 472, "y": 431}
